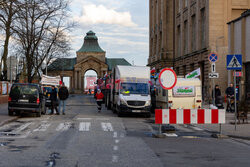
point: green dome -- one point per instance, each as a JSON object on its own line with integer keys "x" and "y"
{"x": 90, "y": 43}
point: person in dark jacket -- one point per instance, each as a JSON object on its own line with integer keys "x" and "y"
{"x": 63, "y": 95}
{"x": 53, "y": 98}
{"x": 216, "y": 92}
{"x": 230, "y": 94}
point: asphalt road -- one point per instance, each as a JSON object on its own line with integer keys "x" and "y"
{"x": 84, "y": 137}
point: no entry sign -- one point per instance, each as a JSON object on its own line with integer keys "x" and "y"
{"x": 167, "y": 78}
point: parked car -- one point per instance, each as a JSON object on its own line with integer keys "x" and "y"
{"x": 25, "y": 97}
{"x": 47, "y": 90}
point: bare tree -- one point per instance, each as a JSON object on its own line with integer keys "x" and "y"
{"x": 40, "y": 29}
{"x": 8, "y": 9}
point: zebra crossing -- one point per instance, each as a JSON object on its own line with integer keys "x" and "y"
{"x": 22, "y": 130}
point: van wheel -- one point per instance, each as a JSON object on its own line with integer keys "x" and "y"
{"x": 148, "y": 115}
{"x": 119, "y": 114}
{"x": 10, "y": 113}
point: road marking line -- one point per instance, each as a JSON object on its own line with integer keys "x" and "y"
{"x": 84, "y": 126}
{"x": 122, "y": 135}
{"x": 104, "y": 119}
{"x": 115, "y": 148}
{"x": 63, "y": 126}
{"x": 170, "y": 134}
{"x": 107, "y": 127}
{"x": 117, "y": 141}
{"x": 114, "y": 158}
{"x": 84, "y": 118}
{"x": 196, "y": 128}
{"x": 115, "y": 135}
{"x": 43, "y": 127}
{"x": 21, "y": 128}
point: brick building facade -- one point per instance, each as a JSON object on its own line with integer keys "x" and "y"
{"x": 200, "y": 28}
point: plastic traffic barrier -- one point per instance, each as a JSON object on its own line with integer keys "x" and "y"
{"x": 190, "y": 116}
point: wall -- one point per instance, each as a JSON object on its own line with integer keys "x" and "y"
{"x": 247, "y": 39}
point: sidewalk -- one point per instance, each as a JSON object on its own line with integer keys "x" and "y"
{"x": 242, "y": 130}
{"x": 4, "y": 117}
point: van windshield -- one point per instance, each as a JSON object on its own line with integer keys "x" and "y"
{"x": 24, "y": 90}
{"x": 134, "y": 88}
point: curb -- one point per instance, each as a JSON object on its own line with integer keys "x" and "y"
{"x": 8, "y": 121}
{"x": 239, "y": 137}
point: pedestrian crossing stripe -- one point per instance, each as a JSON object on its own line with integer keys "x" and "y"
{"x": 234, "y": 63}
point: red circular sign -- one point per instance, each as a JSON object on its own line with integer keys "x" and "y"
{"x": 167, "y": 78}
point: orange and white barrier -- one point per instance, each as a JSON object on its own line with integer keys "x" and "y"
{"x": 190, "y": 116}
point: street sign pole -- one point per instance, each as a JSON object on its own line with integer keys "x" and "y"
{"x": 235, "y": 102}
{"x": 167, "y": 80}
{"x": 213, "y": 91}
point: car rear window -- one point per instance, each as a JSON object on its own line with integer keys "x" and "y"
{"x": 24, "y": 89}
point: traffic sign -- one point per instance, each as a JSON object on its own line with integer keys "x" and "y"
{"x": 213, "y": 68}
{"x": 167, "y": 78}
{"x": 213, "y": 75}
{"x": 213, "y": 57}
{"x": 237, "y": 73}
{"x": 234, "y": 62}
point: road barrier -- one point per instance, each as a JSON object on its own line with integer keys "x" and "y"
{"x": 190, "y": 116}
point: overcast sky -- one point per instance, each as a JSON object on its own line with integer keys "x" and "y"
{"x": 120, "y": 25}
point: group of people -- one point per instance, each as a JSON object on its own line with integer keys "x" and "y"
{"x": 216, "y": 94}
{"x": 63, "y": 94}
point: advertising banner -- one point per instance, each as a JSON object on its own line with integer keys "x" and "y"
{"x": 184, "y": 91}
{"x": 193, "y": 74}
{"x": 48, "y": 80}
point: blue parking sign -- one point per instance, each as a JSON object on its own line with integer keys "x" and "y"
{"x": 213, "y": 57}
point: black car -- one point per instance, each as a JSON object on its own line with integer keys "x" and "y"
{"x": 26, "y": 98}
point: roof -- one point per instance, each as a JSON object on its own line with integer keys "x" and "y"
{"x": 112, "y": 62}
{"x": 90, "y": 43}
{"x": 244, "y": 14}
{"x": 62, "y": 64}
{"x": 125, "y": 72}
{"x": 67, "y": 64}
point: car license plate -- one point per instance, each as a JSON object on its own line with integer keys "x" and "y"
{"x": 136, "y": 110}
{"x": 24, "y": 101}
{"x": 48, "y": 101}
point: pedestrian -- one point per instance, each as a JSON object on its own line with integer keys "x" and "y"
{"x": 63, "y": 95}
{"x": 216, "y": 92}
{"x": 230, "y": 94}
{"x": 53, "y": 98}
{"x": 99, "y": 98}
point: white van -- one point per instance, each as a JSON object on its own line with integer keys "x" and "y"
{"x": 186, "y": 94}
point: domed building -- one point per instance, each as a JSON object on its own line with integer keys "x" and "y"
{"x": 89, "y": 57}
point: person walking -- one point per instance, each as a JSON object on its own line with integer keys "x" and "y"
{"x": 63, "y": 95}
{"x": 216, "y": 92}
{"x": 216, "y": 95}
{"x": 53, "y": 98}
{"x": 99, "y": 98}
{"x": 230, "y": 95}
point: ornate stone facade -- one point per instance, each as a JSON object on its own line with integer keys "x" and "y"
{"x": 89, "y": 57}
